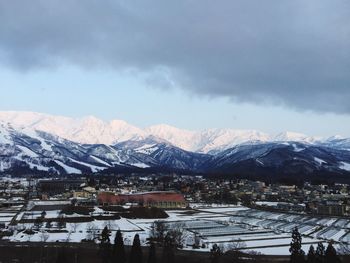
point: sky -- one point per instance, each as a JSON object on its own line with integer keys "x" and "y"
{"x": 267, "y": 65}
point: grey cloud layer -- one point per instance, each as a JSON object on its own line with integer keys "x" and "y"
{"x": 295, "y": 53}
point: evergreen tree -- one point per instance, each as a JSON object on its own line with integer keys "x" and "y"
{"x": 320, "y": 253}
{"x": 152, "y": 254}
{"x": 118, "y": 248}
{"x": 136, "y": 251}
{"x": 331, "y": 254}
{"x": 105, "y": 245}
{"x": 215, "y": 253}
{"x": 296, "y": 253}
{"x": 311, "y": 257}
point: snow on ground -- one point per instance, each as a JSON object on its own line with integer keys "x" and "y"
{"x": 283, "y": 250}
{"x": 6, "y": 214}
{"x": 213, "y": 205}
{"x": 6, "y": 218}
{"x": 274, "y": 242}
{"x": 223, "y": 209}
{"x": 50, "y": 202}
{"x": 262, "y": 237}
{"x": 267, "y": 203}
{"x": 261, "y": 231}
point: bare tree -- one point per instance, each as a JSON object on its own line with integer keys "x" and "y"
{"x": 91, "y": 231}
{"x": 73, "y": 227}
{"x": 44, "y": 236}
{"x": 236, "y": 245}
{"x": 109, "y": 224}
{"x": 158, "y": 230}
{"x": 89, "y": 235}
{"x": 177, "y": 234}
{"x": 234, "y": 249}
{"x": 61, "y": 224}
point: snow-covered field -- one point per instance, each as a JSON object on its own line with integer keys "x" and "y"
{"x": 261, "y": 231}
{"x": 7, "y": 214}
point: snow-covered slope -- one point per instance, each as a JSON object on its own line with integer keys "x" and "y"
{"x": 273, "y": 159}
{"x": 337, "y": 142}
{"x": 26, "y": 150}
{"x": 166, "y": 154}
{"x": 36, "y": 150}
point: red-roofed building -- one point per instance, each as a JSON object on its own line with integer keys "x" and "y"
{"x": 155, "y": 199}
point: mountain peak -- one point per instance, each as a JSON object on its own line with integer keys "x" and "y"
{"x": 290, "y": 136}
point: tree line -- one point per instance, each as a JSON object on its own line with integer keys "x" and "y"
{"x": 161, "y": 236}
{"x": 167, "y": 238}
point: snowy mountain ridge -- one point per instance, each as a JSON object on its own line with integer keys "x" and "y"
{"x": 91, "y": 130}
{"x": 26, "y": 150}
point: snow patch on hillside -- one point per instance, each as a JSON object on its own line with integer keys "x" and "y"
{"x": 27, "y": 152}
{"x": 344, "y": 166}
{"x": 147, "y": 149}
{"x": 93, "y": 168}
{"x": 319, "y": 161}
{"x": 297, "y": 148}
{"x": 67, "y": 168}
{"x": 99, "y": 160}
{"x": 140, "y": 165}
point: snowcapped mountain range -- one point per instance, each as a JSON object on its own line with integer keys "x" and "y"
{"x": 90, "y": 130}
{"x": 40, "y": 142}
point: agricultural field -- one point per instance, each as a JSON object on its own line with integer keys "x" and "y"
{"x": 231, "y": 227}
{"x": 7, "y": 214}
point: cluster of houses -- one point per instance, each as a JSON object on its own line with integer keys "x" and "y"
{"x": 330, "y": 200}
{"x": 82, "y": 193}
{"x": 177, "y": 191}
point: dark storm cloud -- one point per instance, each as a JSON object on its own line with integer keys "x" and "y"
{"x": 294, "y": 53}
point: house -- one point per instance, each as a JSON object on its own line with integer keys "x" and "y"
{"x": 331, "y": 208}
{"x": 86, "y": 192}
